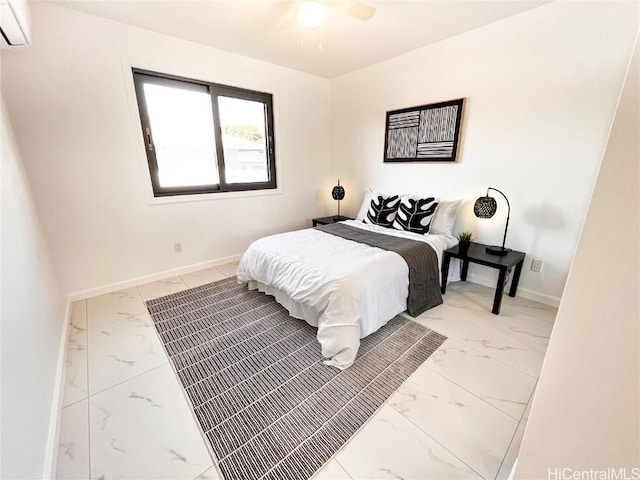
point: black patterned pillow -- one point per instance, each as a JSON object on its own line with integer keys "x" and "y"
{"x": 382, "y": 210}
{"x": 415, "y": 214}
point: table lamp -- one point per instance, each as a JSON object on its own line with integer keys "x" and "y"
{"x": 486, "y": 207}
{"x": 338, "y": 194}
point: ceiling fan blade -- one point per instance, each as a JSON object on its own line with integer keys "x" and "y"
{"x": 354, "y": 9}
{"x": 289, "y": 17}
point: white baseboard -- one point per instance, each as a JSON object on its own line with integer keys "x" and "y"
{"x": 522, "y": 292}
{"x": 51, "y": 455}
{"x": 113, "y": 287}
{"x": 539, "y": 297}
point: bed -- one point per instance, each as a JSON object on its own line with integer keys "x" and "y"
{"x": 345, "y": 288}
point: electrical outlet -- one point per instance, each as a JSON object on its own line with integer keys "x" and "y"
{"x": 177, "y": 247}
{"x": 536, "y": 265}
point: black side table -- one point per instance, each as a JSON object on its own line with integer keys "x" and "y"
{"x": 478, "y": 254}
{"x": 328, "y": 220}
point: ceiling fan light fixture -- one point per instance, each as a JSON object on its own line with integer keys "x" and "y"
{"x": 311, "y": 14}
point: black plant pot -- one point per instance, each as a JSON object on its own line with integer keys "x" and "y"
{"x": 463, "y": 248}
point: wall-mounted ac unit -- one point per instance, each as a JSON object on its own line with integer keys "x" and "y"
{"x": 14, "y": 23}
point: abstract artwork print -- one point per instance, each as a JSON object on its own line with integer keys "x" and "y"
{"x": 424, "y": 134}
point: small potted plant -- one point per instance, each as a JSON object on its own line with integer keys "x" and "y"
{"x": 465, "y": 240}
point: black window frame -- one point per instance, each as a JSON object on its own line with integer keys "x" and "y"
{"x": 215, "y": 90}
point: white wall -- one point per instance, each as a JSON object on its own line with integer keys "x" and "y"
{"x": 541, "y": 90}
{"x": 586, "y": 410}
{"x": 70, "y": 99}
{"x": 32, "y": 318}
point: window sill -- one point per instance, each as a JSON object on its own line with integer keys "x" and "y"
{"x": 205, "y": 197}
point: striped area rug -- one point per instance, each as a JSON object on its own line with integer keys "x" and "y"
{"x": 256, "y": 381}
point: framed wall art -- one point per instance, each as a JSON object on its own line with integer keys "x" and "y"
{"x": 428, "y": 133}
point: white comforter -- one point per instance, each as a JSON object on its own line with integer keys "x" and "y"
{"x": 346, "y": 289}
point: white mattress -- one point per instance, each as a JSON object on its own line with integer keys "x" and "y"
{"x": 346, "y": 289}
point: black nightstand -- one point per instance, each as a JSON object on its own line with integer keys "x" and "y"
{"x": 328, "y": 220}
{"x": 478, "y": 254}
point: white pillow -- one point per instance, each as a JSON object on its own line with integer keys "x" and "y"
{"x": 364, "y": 208}
{"x": 445, "y": 217}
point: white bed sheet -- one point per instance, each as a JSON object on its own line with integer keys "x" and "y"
{"x": 346, "y": 289}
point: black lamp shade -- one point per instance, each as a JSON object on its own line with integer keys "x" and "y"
{"x": 338, "y": 192}
{"x": 485, "y": 207}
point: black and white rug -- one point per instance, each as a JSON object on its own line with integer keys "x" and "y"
{"x": 257, "y": 384}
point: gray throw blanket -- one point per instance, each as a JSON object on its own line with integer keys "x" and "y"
{"x": 421, "y": 258}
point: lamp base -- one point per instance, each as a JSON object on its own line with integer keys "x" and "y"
{"x": 339, "y": 218}
{"x": 500, "y": 251}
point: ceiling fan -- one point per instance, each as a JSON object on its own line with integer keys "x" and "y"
{"x": 311, "y": 13}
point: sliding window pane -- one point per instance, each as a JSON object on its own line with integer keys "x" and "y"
{"x": 183, "y": 137}
{"x": 244, "y": 140}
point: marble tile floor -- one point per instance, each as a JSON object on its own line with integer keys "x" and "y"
{"x": 462, "y": 414}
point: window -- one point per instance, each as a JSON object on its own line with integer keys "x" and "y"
{"x": 202, "y": 137}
